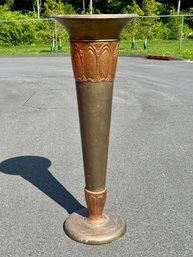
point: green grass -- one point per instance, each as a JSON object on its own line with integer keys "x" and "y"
{"x": 28, "y": 50}
{"x": 160, "y": 47}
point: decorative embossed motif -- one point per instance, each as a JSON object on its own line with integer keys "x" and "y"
{"x": 94, "y": 61}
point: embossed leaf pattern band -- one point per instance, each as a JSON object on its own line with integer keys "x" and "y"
{"x": 94, "y": 61}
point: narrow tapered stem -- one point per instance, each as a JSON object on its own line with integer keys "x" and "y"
{"x": 94, "y": 103}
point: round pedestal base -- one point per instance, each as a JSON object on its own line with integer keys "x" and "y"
{"x": 78, "y": 228}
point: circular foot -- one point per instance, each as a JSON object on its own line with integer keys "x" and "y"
{"x": 78, "y": 228}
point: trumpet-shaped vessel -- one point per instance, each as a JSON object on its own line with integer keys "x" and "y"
{"x": 94, "y": 41}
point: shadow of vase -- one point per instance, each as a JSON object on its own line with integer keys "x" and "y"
{"x": 35, "y": 170}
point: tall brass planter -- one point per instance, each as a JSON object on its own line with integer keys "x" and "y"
{"x": 94, "y": 43}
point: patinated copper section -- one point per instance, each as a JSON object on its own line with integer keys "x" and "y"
{"x": 95, "y": 203}
{"x": 94, "y": 61}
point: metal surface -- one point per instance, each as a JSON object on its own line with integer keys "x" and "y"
{"x": 94, "y": 61}
{"x": 94, "y": 51}
{"x": 94, "y": 66}
{"x": 94, "y": 104}
{"x": 96, "y": 26}
{"x": 95, "y": 202}
{"x": 78, "y": 228}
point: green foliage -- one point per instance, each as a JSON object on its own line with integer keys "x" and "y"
{"x": 134, "y": 8}
{"x": 187, "y": 31}
{"x": 41, "y": 32}
{"x": 149, "y": 7}
{"x": 132, "y": 29}
{"x": 142, "y": 28}
{"x": 23, "y": 6}
{"x": 52, "y": 7}
{"x": 101, "y": 6}
{"x": 109, "y": 6}
{"x": 8, "y": 3}
{"x": 173, "y": 26}
{"x": 26, "y": 32}
{"x": 161, "y": 8}
{"x": 69, "y": 9}
{"x": 23, "y": 31}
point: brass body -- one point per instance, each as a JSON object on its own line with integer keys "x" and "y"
{"x": 94, "y": 65}
{"x": 96, "y": 26}
{"x": 94, "y": 103}
{"x": 94, "y": 43}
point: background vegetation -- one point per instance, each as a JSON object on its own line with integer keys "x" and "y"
{"x": 42, "y": 32}
{"x": 149, "y": 7}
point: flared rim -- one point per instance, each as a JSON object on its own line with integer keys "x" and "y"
{"x": 94, "y": 16}
{"x": 94, "y": 26}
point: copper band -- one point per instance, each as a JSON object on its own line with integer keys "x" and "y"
{"x": 94, "y": 61}
{"x": 95, "y": 203}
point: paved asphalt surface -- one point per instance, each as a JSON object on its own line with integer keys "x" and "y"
{"x": 150, "y": 168}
